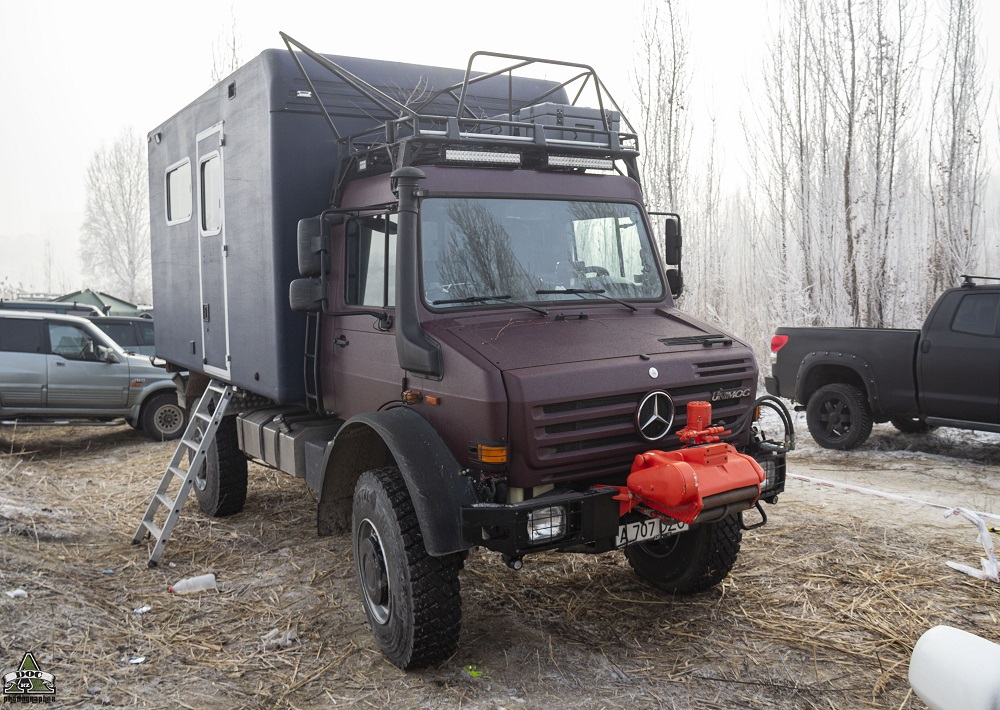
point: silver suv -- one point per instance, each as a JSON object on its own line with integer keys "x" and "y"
{"x": 60, "y": 368}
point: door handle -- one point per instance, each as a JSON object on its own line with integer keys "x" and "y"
{"x": 342, "y": 341}
{"x": 925, "y": 347}
{"x": 60, "y": 364}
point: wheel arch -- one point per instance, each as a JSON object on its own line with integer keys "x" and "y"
{"x": 434, "y": 479}
{"x": 826, "y": 368}
{"x": 147, "y": 395}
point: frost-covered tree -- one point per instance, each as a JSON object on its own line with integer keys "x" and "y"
{"x": 662, "y": 79}
{"x": 115, "y": 233}
{"x": 838, "y": 132}
{"x": 227, "y": 52}
{"x": 957, "y": 160}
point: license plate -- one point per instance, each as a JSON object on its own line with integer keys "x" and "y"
{"x": 649, "y": 529}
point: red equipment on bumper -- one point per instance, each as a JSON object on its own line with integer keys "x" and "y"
{"x": 676, "y": 483}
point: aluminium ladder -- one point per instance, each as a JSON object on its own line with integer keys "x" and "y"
{"x": 197, "y": 438}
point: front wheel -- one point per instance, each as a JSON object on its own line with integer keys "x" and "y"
{"x": 691, "y": 562}
{"x": 162, "y": 418}
{"x": 412, "y": 600}
{"x": 839, "y": 417}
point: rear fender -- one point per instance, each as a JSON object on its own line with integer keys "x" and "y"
{"x": 826, "y": 367}
{"x": 403, "y": 438}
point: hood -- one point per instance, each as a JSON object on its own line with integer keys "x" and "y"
{"x": 141, "y": 366}
{"x": 513, "y": 341}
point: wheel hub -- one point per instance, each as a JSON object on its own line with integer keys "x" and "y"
{"x": 169, "y": 419}
{"x": 373, "y": 573}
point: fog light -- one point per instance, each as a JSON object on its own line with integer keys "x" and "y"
{"x": 545, "y": 524}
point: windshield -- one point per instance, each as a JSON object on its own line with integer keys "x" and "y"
{"x": 534, "y": 250}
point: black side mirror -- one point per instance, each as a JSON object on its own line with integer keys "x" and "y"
{"x": 675, "y": 280}
{"x": 672, "y": 240}
{"x": 307, "y": 295}
{"x": 313, "y": 240}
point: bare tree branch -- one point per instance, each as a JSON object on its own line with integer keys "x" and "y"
{"x": 115, "y": 231}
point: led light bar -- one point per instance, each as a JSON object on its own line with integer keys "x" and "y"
{"x": 572, "y": 161}
{"x": 482, "y": 156}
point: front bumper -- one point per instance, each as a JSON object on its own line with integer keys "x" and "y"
{"x": 592, "y": 517}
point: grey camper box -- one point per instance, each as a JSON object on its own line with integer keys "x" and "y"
{"x": 230, "y": 177}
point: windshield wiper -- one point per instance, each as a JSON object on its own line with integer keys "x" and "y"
{"x": 481, "y": 299}
{"x": 583, "y": 291}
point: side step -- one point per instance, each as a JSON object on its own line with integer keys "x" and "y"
{"x": 197, "y": 439}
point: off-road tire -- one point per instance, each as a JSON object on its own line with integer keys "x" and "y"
{"x": 412, "y": 600}
{"x": 910, "y": 425}
{"x": 839, "y": 417}
{"x": 221, "y": 484}
{"x": 163, "y": 419}
{"x": 691, "y": 562}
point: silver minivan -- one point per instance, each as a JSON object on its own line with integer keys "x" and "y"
{"x": 61, "y": 368}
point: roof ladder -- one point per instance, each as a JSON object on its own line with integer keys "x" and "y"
{"x": 197, "y": 439}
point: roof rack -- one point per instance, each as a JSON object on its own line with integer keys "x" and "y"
{"x": 967, "y": 280}
{"x": 531, "y": 133}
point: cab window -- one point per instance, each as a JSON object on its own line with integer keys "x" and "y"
{"x": 18, "y": 335}
{"x": 371, "y": 261}
{"x": 977, "y": 314}
{"x": 72, "y": 343}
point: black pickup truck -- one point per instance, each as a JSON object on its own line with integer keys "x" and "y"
{"x": 945, "y": 374}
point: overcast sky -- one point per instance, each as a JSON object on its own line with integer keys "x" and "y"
{"x": 74, "y": 74}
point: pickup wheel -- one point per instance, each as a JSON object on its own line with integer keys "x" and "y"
{"x": 412, "y": 600}
{"x": 911, "y": 425}
{"x": 839, "y": 417}
{"x": 162, "y": 418}
{"x": 691, "y": 562}
{"x": 221, "y": 483}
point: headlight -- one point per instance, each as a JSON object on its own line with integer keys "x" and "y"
{"x": 546, "y": 524}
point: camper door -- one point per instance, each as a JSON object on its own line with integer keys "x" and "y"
{"x": 212, "y": 252}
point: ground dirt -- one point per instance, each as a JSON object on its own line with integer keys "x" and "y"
{"x": 821, "y": 611}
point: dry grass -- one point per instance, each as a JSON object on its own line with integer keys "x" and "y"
{"x": 822, "y": 610}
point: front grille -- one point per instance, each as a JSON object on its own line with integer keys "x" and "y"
{"x": 556, "y": 407}
{"x": 741, "y": 366}
{"x": 605, "y": 427}
{"x": 583, "y": 424}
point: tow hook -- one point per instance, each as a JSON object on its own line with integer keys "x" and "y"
{"x": 515, "y": 563}
{"x": 763, "y": 518}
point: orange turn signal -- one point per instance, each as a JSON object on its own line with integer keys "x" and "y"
{"x": 491, "y": 453}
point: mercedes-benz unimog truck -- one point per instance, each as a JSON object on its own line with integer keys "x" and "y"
{"x": 442, "y": 302}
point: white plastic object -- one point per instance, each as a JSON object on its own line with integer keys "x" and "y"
{"x": 193, "y": 584}
{"x": 951, "y": 669}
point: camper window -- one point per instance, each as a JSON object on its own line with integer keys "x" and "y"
{"x": 211, "y": 194}
{"x": 179, "y": 192}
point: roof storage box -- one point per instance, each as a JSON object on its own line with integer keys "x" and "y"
{"x": 587, "y": 119}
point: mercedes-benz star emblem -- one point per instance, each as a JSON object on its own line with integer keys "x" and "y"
{"x": 655, "y": 415}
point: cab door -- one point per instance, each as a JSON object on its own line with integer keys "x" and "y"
{"x": 78, "y": 376}
{"x": 959, "y": 358}
{"x": 212, "y": 252}
{"x": 360, "y": 355}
